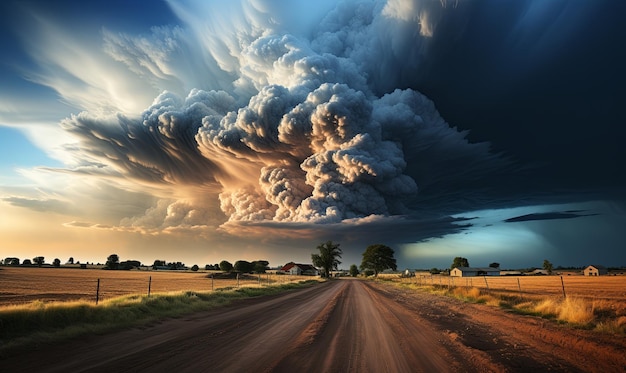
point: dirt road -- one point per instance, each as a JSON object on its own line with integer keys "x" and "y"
{"x": 337, "y": 326}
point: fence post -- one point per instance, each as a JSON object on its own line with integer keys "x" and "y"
{"x": 212, "y": 276}
{"x": 98, "y": 292}
{"x": 149, "y": 285}
{"x": 486, "y": 284}
{"x": 237, "y": 279}
{"x": 563, "y": 286}
{"x": 519, "y": 287}
{"x": 259, "y": 279}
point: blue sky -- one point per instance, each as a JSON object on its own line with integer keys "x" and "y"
{"x": 13, "y": 142}
{"x": 198, "y": 131}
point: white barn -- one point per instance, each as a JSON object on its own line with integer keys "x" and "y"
{"x": 595, "y": 270}
{"x": 474, "y": 272}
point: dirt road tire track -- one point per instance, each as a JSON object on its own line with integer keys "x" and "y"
{"x": 337, "y": 326}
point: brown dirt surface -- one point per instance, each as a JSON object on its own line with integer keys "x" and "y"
{"x": 338, "y": 326}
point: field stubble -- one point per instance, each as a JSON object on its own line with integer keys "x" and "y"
{"x": 25, "y": 285}
{"x": 592, "y": 302}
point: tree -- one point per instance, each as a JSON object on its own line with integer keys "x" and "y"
{"x": 70, "y": 260}
{"x": 459, "y": 262}
{"x": 260, "y": 266}
{"x": 38, "y": 260}
{"x": 328, "y": 258}
{"x": 354, "y": 270}
{"x": 176, "y": 265}
{"x": 378, "y": 258}
{"x": 195, "y": 268}
{"x": 27, "y": 262}
{"x": 243, "y": 266}
{"x": 494, "y": 265}
{"x": 56, "y": 262}
{"x": 547, "y": 266}
{"x": 129, "y": 264}
{"x": 11, "y": 261}
{"x": 158, "y": 263}
{"x": 226, "y": 266}
{"x": 112, "y": 262}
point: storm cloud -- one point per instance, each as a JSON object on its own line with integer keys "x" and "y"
{"x": 359, "y": 121}
{"x": 314, "y": 143}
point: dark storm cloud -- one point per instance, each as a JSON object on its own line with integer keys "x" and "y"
{"x": 313, "y": 143}
{"x": 548, "y": 216}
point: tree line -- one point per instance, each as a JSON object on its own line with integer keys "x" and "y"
{"x": 243, "y": 266}
{"x": 38, "y": 261}
{"x": 376, "y": 258}
{"x": 113, "y": 262}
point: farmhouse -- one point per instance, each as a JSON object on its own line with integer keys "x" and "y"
{"x": 473, "y": 272}
{"x": 595, "y": 270}
{"x": 299, "y": 269}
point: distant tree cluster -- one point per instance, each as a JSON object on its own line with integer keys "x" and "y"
{"x": 376, "y": 259}
{"x": 38, "y": 261}
{"x": 244, "y": 266}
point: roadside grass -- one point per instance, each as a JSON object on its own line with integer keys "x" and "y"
{"x": 36, "y": 323}
{"x": 599, "y": 315}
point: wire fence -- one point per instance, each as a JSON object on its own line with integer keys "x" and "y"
{"x": 25, "y": 285}
{"x": 600, "y": 287}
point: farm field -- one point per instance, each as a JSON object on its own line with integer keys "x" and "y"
{"x": 24, "y": 285}
{"x": 601, "y": 287}
{"x": 600, "y": 292}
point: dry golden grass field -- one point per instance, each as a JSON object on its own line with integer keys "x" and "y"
{"x": 611, "y": 288}
{"x": 602, "y": 299}
{"x": 24, "y": 285}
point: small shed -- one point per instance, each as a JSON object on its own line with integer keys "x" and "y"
{"x": 474, "y": 272}
{"x": 595, "y": 270}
